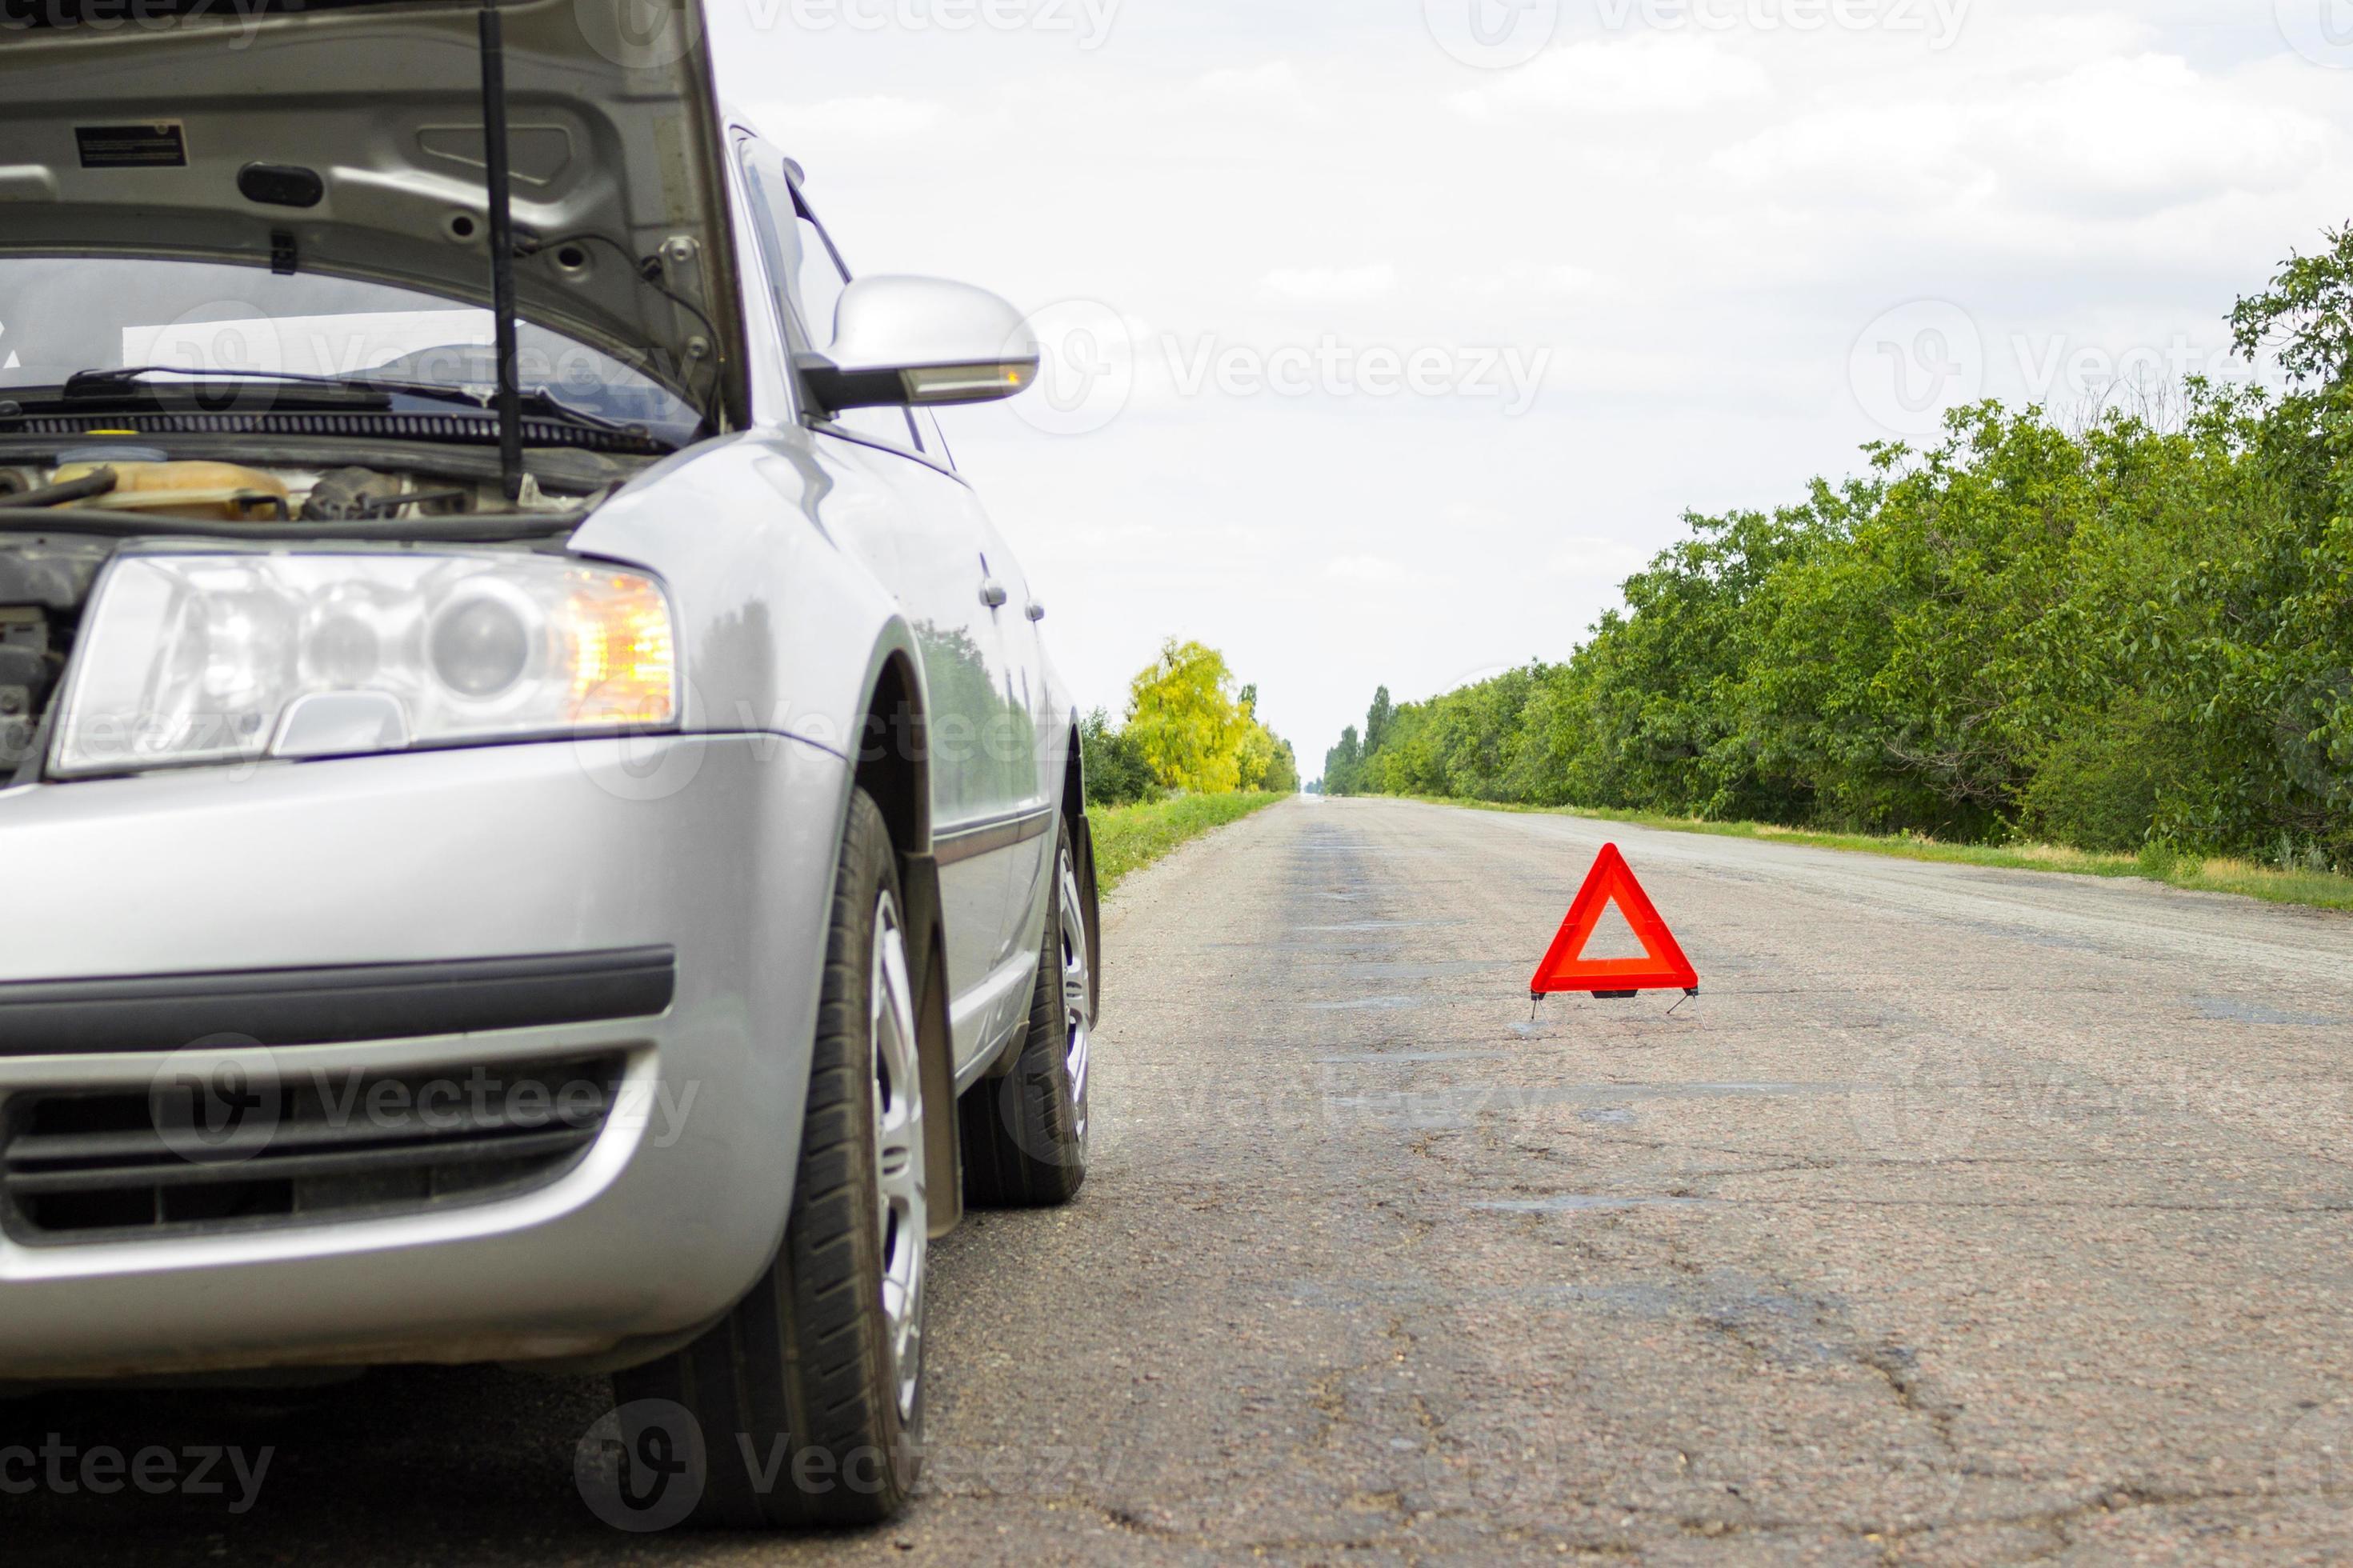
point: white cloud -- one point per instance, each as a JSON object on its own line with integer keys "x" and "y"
{"x": 1276, "y": 86}
{"x": 875, "y": 119}
{"x": 2149, "y": 131}
{"x": 1371, "y": 571}
{"x": 1613, "y": 560}
{"x": 1649, "y": 73}
{"x": 1327, "y": 285}
{"x": 1524, "y": 279}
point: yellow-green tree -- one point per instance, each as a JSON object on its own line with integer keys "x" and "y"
{"x": 1194, "y": 734}
{"x": 1182, "y": 715}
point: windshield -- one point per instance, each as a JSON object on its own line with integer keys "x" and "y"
{"x": 61, "y": 315}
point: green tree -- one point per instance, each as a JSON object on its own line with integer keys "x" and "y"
{"x": 1188, "y": 727}
{"x": 1195, "y": 735}
{"x": 1344, "y": 765}
{"x": 1115, "y": 768}
{"x": 2104, "y": 636}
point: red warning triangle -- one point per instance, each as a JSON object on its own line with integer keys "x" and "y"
{"x": 1664, "y": 967}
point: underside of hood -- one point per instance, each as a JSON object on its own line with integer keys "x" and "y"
{"x": 346, "y": 138}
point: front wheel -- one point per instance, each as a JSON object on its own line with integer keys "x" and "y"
{"x": 1025, "y": 1134}
{"x": 808, "y": 1397}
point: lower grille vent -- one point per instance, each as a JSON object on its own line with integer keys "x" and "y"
{"x": 229, "y": 1152}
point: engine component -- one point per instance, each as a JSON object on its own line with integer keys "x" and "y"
{"x": 89, "y": 486}
{"x": 43, "y": 586}
{"x": 27, "y": 673}
{"x": 226, "y": 492}
{"x": 344, "y": 494}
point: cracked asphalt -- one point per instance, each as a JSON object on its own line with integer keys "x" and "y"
{"x": 1970, "y": 1216}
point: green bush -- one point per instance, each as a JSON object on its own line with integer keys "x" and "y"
{"x": 2098, "y": 787}
{"x": 2107, "y": 637}
{"x": 1117, "y": 770}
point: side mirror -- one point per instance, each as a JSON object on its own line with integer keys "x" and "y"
{"x": 898, "y": 341}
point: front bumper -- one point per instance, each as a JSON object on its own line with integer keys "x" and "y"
{"x": 721, "y": 849}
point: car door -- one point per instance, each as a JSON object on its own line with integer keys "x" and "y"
{"x": 1038, "y": 768}
{"x": 931, "y": 541}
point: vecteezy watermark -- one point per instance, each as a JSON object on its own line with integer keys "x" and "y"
{"x": 1492, "y": 34}
{"x": 1920, "y": 361}
{"x": 1937, "y": 21}
{"x": 1915, "y": 363}
{"x": 650, "y": 35}
{"x": 64, "y": 1469}
{"x": 2060, "y": 369}
{"x": 1332, "y": 367}
{"x": 216, "y": 1101}
{"x": 1497, "y": 35}
{"x": 1919, "y": 1100}
{"x": 1092, "y": 365}
{"x": 645, "y": 1468}
{"x": 147, "y": 15}
{"x": 228, "y": 1100}
{"x": 2319, "y": 30}
{"x": 1086, "y": 368}
{"x": 1088, "y": 22}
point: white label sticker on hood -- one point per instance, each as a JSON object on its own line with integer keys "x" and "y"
{"x": 161, "y": 145}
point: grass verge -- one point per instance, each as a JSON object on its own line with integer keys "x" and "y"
{"x": 1130, "y": 838}
{"x": 2311, "y": 890}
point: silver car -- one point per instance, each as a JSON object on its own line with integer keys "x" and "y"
{"x": 542, "y": 826}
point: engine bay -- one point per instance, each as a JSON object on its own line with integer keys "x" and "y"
{"x": 150, "y": 482}
{"x": 67, "y": 512}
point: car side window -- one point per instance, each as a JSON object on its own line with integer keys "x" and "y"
{"x": 763, "y": 179}
{"x": 809, "y": 279}
{"x": 935, "y": 445}
{"x": 822, "y": 280}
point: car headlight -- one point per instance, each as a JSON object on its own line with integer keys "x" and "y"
{"x": 221, "y": 658}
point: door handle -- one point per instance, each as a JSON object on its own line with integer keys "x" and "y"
{"x": 1036, "y": 611}
{"x": 992, "y": 593}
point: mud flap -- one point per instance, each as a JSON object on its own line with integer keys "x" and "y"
{"x": 919, "y": 885}
{"x": 1082, "y": 850}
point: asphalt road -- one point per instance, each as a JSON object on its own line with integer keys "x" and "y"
{"x": 1970, "y": 1216}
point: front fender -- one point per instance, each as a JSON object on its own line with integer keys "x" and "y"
{"x": 783, "y": 627}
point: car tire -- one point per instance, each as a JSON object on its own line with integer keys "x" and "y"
{"x": 809, "y": 1396}
{"x": 1025, "y": 1134}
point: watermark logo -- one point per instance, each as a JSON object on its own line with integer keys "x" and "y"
{"x": 2315, "y": 1454}
{"x": 1492, "y": 34}
{"x": 2314, "y": 732}
{"x": 643, "y": 1468}
{"x": 641, "y": 35}
{"x": 640, "y": 763}
{"x": 217, "y": 1101}
{"x": 1915, "y": 363}
{"x": 2319, "y": 30}
{"x": 1919, "y": 1100}
{"x": 1086, "y": 368}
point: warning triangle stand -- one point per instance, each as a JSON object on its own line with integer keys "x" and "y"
{"x": 1663, "y": 966}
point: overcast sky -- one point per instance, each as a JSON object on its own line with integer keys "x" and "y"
{"x": 1385, "y": 337}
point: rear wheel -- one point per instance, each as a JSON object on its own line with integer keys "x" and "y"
{"x": 1025, "y": 1134}
{"x": 808, "y": 1397}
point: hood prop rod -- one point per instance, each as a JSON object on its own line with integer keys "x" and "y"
{"x": 502, "y": 283}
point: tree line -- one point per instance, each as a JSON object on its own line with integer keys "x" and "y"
{"x": 2139, "y": 632}
{"x": 1186, "y": 730}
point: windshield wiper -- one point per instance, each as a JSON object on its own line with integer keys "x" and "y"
{"x": 97, "y": 385}
{"x": 374, "y": 392}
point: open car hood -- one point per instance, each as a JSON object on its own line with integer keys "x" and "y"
{"x": 136, "y": 133}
